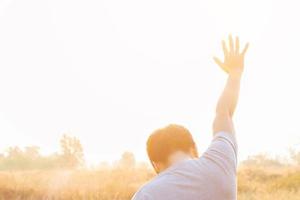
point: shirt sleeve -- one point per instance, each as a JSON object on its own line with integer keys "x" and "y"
{"x": 223, "y": 152}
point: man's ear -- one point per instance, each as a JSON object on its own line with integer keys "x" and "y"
{"x": 156, "y": 168}
{"x": 194, "y": 152}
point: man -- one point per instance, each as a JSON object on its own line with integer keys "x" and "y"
{"x": 182, "y": 175}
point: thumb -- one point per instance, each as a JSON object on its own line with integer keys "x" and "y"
{"x": 218, "y": 61}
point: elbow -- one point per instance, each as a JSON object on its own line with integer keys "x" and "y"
{"x": 223, "y": 111}
{"x": 223, "y": 122}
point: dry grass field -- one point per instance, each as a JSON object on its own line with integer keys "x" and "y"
{"x": 120, "y": 184}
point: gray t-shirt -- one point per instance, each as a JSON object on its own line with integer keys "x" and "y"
{"x": 210, "y": 177}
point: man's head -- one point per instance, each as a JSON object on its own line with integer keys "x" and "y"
{"x": 164, "y": 143}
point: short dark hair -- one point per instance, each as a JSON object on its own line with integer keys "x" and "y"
{"x": 165, "y": 141}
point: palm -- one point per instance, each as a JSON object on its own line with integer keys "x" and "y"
{"x": 233, "y": 58}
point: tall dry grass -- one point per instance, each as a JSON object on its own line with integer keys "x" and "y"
{"x": 120, "y": 184}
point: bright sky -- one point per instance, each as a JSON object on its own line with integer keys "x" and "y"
{"x": 110, "y": 72}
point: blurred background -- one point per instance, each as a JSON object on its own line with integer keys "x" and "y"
{"x": 84, "y": 83}
{"x": 110, "y": 72}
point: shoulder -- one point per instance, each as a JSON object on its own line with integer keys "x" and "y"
{"x": 223, "y": 151}
{"x": 226, "y": 138}
{"x": 152, "y": 189}
{"x": 145, "y": 192}
{"x": 141, "y": 194}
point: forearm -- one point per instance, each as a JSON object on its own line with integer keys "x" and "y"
{"x": 233, "y": 65}
{"x": 229, "y": 98}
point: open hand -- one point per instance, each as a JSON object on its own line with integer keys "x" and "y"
{"x": 233, "y": 58}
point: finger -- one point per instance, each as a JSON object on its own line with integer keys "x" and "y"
{"x": 231, "y": 44}
{"x": 218, "y": 61}
{"x": 237, "y": 45}
{"x": 245, "y": 49}
{"x": 225, "y": 50}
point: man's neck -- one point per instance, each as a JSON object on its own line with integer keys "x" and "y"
{"x": 178, "y": 157}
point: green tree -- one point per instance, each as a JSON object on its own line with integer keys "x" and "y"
{"x": 127, "y": 160}
{"x": 295, "y": 156}
{"x": 262, "y": 160}
{"x": 72, "y": 152}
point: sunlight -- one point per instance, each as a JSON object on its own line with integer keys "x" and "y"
{"x": 83, "y": 82}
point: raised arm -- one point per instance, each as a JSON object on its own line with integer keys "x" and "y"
{"x": 233, "y": 65}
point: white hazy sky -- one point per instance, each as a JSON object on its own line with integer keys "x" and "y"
{"x": 109, "y": 72}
